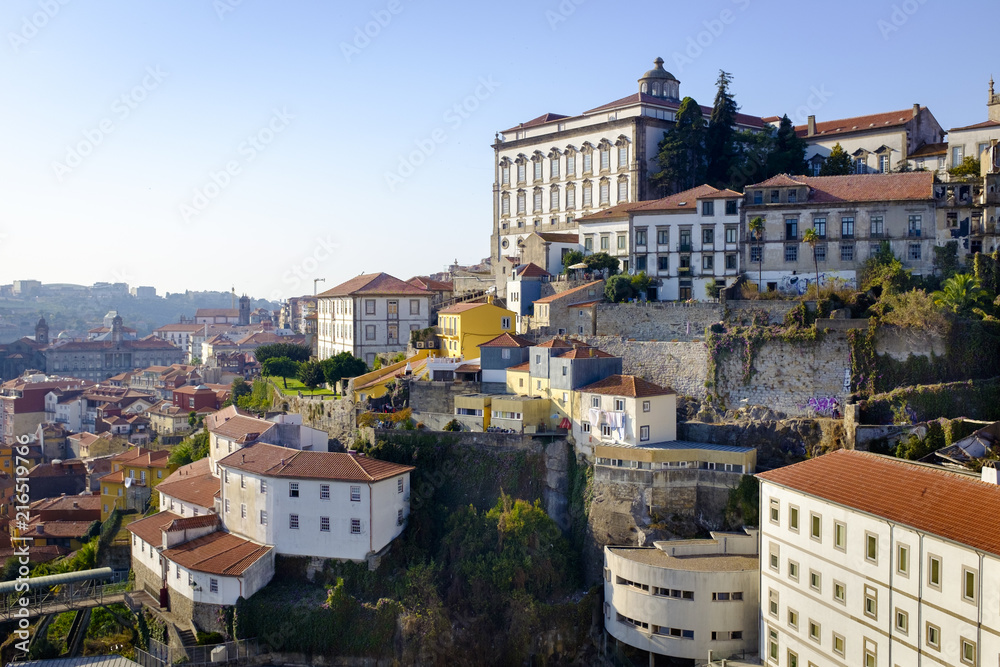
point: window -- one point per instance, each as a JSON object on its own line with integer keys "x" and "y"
{"x": 570, "y": 198}
{"x": 369, "y": 306}
{"x": 816, "y": 581}
{"x": 243, "y": 510}
{"x": 505, "y": 323}
{"x": 399, "y": 517}
{"x": 708, "y": 236}
{"x": 871, "y": 602}
{"x": 213, "y": 585}
{"x": 537, "y": 169}
{"x": 521, "y": 203}
{"x": 883, "y": 164}
{"x": 820, "y": 252}
{"x": 399, "y": 485}
{"x": 293, "y": 521}
{"x": 815, "y": 526}
{"x": 814, "y": 630}
{"x": 243, "y": 481}
{"x": 772, "y": 645}
{"x": 871, "y": 653}
{"x": 934, "y": 572}
{"x": 293, "y": 489}
{"x": 663, "y": 236}
{"x": 838, "y": 644}
{"x": 663, "y": 263}
{"x": 324, "y": 491}
{"x": 847, "y": 227}
{"x": 793, "y": 196}
{"x": 369, "y": 332}
{"x": 324, "y": 524}
{"x": 355, "y": 494}
{"x": 775, "y": 196}
{"x": 643, "y": 433}
{"x": 605, "y": 158}
{"x": 968, "y": 651}
{"x": 619, "y": 404}
{"x": 791, "y": 253}
{"x": 263, "y": 517}
{"x": 793, "y": 618}
{"x": 355, "y": 526}
{"x": 588, "y": 163}
{"x": 227, "y": 505}
{"x": 902, "y": 559}
{"x": 570, "y": 164}
{"x": 225, "y": 476}
{"x": 902, "y": 621}
{"x": 622, "y": 189}
{"x": 758, "y": 197}
{"x": 730, "y": 262}
{"x": 772, "y": 602}
{"x": 877, "y": 226}
{"x": 933, "y": 634}
{"x": 595, "y": 401}
{"x": 913, "y": 251}
{"x": 755, "y": 254}
{"x": 957, "y": 155}
{"x": 708, "y": 208}
{"x": 793, "y": 659}
{"x": 791, "y": 229}
{"x": 645, "y": 406}
{"x": 871, "y": 547}
{"x": 622, "y": 156}
{"x": 621, "y": 241}
{"x": 640, "y": 237}
{"x": 554, "y": 168}
{"x": 520, "y": 172}
{"x": 537, "y": 200}
{"x": 640, "y": 263}
{"x": 793, "y": 570}
{"x": 414, "y": 306}
{"x": 505, "y": 174}
{"x": 775, "y": 506}
{"x": 588, "y": 244}
{"x": 840, "y": 535}
{"x": 707, "y": 262}
{"x": 846, "y": 252}
{"x": 605, "y": 242}
{"x": 732, "y": 207}
{"x": 913, "y": 225}
{"x": 732, "y": 234}
{"x": 605, "y": 192}
{"x": 968, "y": 585}
{"x": 775, "y": 553}
{"x": 793, "y": 518}
{"x": 554, "y": 199}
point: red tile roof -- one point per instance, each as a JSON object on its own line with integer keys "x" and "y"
{"x": 192, "y": 483}
{"x": 913, "y": 186}
{"x": 219, "y": 553}
{"x": 274, "y": 461}
{"x": 928, "y": 150}
{"x": 186, "y": 326}
{"x": 555, "y": 237}
{"x": 636, "y": 98}
{"x": 507, "y": 340}
{"x": 374, "y": 284}
{"x": 187, "y": 522}
{"x": 977, "y": 126}
{"x": 541, "y": 120}
{"x": 681, "y": 201}
{"x": 521, "y": 367}
{"x": 929, "y": 499}
{"x": 60, "y": 529}
{"x": 431, "y": 284}
{"x": 66, "y": 503}
{"x": 569, "y": 292}
{"x": 150, "y": 529}
{"x": 241, "y": 427}
{"x": 217, "y": 312}
{"x": 859, "y": 123}
{"x": 142, "y": 457}
{"x": 462, "y": 307}
{"x": 585, "y": 353}
{"x": 561, "y": 343}
{"x": 531, "y": 270}
{"x": 626, "y": 385}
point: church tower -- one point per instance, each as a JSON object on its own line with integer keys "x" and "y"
{"x": 660, "y": 83}
{"x": 993, "y": 104}
{"x": 42, "y": 332}
{"x": 244, "y": 310}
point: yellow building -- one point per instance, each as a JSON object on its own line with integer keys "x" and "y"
{"x": 133, "y": 476}
{"x": 373, "y": 385}
{"x": 464, "y": 326}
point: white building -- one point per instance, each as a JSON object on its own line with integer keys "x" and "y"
{"x": 321, "y": 504}
{"x": 871, "y": 560}
{"x": 230, "y": 430}
{"x": 369, "y": 315}
{"x": 691, "y": 599}
{"x": 554, "y": 169}
{"x": 685, "y": 242}
{"x": 625, "y": 410}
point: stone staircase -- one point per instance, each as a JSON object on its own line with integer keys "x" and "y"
{"x": 187, "y": 637}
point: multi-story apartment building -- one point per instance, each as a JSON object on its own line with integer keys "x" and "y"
{"x": 101, "y": 359}
{"x": 968, "y": 208}
{"x": 464, "y": 326}
{"x": 973, "y": 140}
{"x": 871, "y": 560}
{"x": 688, "y": 599}
{"x": 626, "y": 410}
{"x": 230, "y": 430}
{"x": 554, "y": 169}
{"x": 369, "y": 315}
{"x": 853, "y": 215}
{"x": 22, "y": 403}
{"x": 878, "y": 143}
{"x": 134, "y": 474}
{"x": 685, "y": 242}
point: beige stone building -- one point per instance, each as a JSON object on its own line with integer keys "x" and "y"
{"x": 572, "y": 311}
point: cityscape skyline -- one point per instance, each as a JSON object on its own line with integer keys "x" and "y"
{"x": 228, "y": 122}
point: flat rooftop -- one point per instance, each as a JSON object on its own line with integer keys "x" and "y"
{"x": 684, "y": 444}
{"x": 704, "y": 563}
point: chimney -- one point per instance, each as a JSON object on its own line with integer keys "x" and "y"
{"x": 811, "y": 126}
{"x": 989, "y": 472}
{"x": 916, "y": 110}
{"x": 40, "y": 528}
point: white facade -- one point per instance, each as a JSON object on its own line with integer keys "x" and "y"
{"x": 367, "y": 325}
{"x": 181, "y": 507}
{"x": 310, "y": 517}
{"x": 840, "y": 586}
{"x": 685, "y": 598}
{"x": 645, "y": 420}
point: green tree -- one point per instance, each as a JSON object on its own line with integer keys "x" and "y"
{"x": 190, "y": 449}
{"x": 946, "y": 259}
{"x": 618, "y": 289}
{"x": 959, "y": 294}
{"x": 282, "y": 367}
{"x": 720, "y": 136}
{"x": 884, "y": 272}
{"x": 837, "y": 163}
{"x": 681, "y": 152}
{"x": 340, "y": 366}
{"x": 968, "y": 170}
{"x": 640, "y": 284}
{"x": 238, "y": 389}
{"x": 789, "y": 154}
{"x": 311, "y": 374}
{"x": 811, "y": 236}
{"x": 288, "y": 350}
{"x": 987, "y": 272}
{"x": 752, "y": 151}
{"x": 571, "y": 258}
{"x": 756, "y": 227}
{"x": 600, "y": 261}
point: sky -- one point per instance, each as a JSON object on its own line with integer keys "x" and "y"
{"x": 258, "y": 144}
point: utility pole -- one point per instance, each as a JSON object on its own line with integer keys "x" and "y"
{"x": 317, "y": 280}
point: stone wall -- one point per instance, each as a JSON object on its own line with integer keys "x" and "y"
{"x": 899, "y": 343}
{"x": 690, "y": 493}
{"x": 335, "y": 416}
{"x": 678, "y": 321}
{"x": 146, "y": 579}
{"x": 681, "y": 366}
{"x": 788, "y": 374}
{"x": 437, "y": 397}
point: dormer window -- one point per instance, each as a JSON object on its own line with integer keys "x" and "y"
{"x": 775, "y": 196}
{"x": 793, "y": 196}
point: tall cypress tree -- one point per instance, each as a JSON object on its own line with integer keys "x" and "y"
{"x": 720, "y": 137}
{"x": 681, "y": 154}
{"x": 789, "y": 154}
{"x": 837, "y": 163}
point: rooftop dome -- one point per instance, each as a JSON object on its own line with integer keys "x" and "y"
{"x": 658, "y": 72}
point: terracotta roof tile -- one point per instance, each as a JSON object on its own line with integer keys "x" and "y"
{"x": 913, "y": 186}
{"x": 585, "y": 353}
{"x": 531, "y": 270}
{"x": 929, "y": 499}
{"x": 977, "y": 126}
{"x": 680, "y": 201}
{"x": 859, "y": 123}
{"x": 192, "y": 483}
{"x": 150, "y": 529}
{"x": 507, "y": 340}
{"x": 555, "y": 237}
{"x": 374, "y": 284}
{"x": 431, "y": 284}
{"x": 217, "y": 553}
{"x": 561, "y": 342}
{"x": 534, "y": 122}
{"x": 57, "y": 528}
{"x": 521, "y": 367}
{"x": 928, "y": 150}
{"x": 274, "y": 461}
{"x": 187, "y": 522}
{"x": 242, "y": 426}
{"x": 636, "y": 98}
{"x": 626, "y": 385}
{"x": 66, "y": 503}
{"x": 462, "y": 307}
{"x": 574, "y": 291}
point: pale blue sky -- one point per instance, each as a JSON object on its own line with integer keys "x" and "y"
{"x": 183, "y": 86}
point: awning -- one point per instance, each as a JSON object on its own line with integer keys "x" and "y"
{"x": 565, "y": 423}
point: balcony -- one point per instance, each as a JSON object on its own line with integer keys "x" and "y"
{"x": 913, "y": 233}
{"x": 683, "y": 247}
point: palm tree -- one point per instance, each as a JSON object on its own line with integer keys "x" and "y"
{"x": 756, "y": 227}
{"x": 959, "y": 294}
{"x": 811, "y": 237}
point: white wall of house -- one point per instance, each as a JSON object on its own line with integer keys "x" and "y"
{"x": 181, "y": 507}
{"x": 969, "y": 143}
{"x": 658, "y": 413}
{"x": 362, "y": 325}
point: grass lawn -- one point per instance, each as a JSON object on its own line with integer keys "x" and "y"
{"x": 294, "y": 387}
